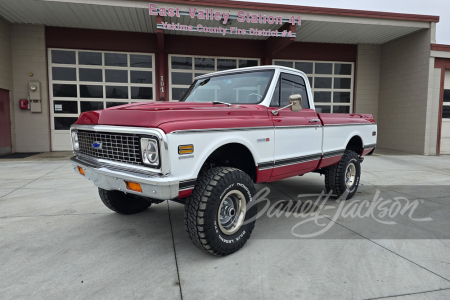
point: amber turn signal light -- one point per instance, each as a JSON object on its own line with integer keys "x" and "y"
{"x": 133, "y": 186}
{"x": 80, "y": 170}
{"x": 186, "y": 149}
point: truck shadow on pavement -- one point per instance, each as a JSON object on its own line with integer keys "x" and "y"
{"x": 293, "y": 210}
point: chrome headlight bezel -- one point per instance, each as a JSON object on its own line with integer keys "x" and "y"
{"x": 74, "y": 139}
{"x": 150, "y": 151}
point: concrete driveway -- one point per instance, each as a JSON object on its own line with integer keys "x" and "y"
{"x": 58, "y": 241}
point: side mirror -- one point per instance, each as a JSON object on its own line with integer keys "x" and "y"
{"x": 296, "y": 102}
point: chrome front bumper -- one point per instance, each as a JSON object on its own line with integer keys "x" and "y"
{"x": 153, "y": 186}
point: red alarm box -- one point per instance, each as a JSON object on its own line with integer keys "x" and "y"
{"x": 23, "y": 103}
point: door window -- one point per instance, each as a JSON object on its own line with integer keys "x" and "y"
{"x": 288, "y": 85}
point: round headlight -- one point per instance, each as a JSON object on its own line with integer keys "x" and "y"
{"x": 76, "y": 145}
{"x": 152, "y": 152}
{"x": 75, "y": 136}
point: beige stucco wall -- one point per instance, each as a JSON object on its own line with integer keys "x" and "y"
{"x": 29, "y": 56}
{"x": 404, "y": 116}
{"x": 6, "y": 81}
{"x": 367, "y": 81}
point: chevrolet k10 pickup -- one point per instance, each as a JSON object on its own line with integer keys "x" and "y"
{"x": 231, "y": 130}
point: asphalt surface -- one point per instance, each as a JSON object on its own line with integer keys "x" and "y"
{"x": 58, "y": 241}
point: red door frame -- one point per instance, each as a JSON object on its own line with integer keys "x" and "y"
{"x": 443, "y": 64}
{"x": 8, "y": 114}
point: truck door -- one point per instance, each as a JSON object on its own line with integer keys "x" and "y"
{"x": 298, "y": 135}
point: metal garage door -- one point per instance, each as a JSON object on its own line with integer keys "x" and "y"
{"x": 83, "y": 80}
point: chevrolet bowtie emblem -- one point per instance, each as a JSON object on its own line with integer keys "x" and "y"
{"x": 97, "y": 145}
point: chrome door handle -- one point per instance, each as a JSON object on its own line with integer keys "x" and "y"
{"x": 314, "y": 120}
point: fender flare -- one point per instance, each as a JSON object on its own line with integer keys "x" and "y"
{"x": 224, "y": 143}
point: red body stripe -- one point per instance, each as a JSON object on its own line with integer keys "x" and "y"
{"x": 325, "y": 162}
{"x": 263, "y": 176}
{"x": 185, "y": 193}
{"x": 293, "y": 170}
{"x": 365, "y": 151}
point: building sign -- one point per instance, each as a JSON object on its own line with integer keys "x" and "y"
{"x": 225, "y": 19}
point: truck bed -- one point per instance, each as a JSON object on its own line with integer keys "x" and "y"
{"x": 338, "y": 129}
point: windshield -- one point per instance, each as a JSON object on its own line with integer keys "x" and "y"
{"x": 237, "y": 88}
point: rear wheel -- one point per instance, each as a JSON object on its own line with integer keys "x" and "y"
{"x": 126, "y": 204}
{"x": 219, "y": 217}
{"x": 343, "y": 178}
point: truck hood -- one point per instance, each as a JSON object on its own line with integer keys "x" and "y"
{"x": 172, "y": 116}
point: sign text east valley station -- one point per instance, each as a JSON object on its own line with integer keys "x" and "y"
{"x": 224, "y": 17}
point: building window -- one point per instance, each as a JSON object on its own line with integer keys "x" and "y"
{"x": 446, "y": 105}
{"x": 81, "y": 81}
{"x": 183, "y": 69}
{"x": 331, "y": 83}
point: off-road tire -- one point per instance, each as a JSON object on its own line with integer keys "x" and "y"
{"x": 126, "y": 204}
{"x": 202, "y": 209}
{"x": 335, "y": 175}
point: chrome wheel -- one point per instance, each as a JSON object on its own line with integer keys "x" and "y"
{"x": 350, "y": 175}
{"x": 232, "y": 210}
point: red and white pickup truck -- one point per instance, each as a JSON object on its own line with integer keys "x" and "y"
{"x": 231, "y": 130}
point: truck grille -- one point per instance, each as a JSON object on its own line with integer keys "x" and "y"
{"x": 117, "y": 147}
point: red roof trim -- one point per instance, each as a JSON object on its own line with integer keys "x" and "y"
{"x": 304, "y": 9}
{"x": 440, "y": 47}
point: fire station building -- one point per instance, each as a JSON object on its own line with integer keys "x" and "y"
{"x": 59, "y": 58}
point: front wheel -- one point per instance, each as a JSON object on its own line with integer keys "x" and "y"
{"x": 343, "y": 178}
{"x": 219, "y": 215}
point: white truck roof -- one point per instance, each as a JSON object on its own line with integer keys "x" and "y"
{"x": 248, "y": 69}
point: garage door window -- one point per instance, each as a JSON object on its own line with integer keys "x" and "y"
{"x": 331, "y": 83}
{"x": 183, "y": 70}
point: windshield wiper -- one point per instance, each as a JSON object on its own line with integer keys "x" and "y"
{"x": 220, "y": 102}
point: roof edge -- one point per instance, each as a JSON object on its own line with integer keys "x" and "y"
{"x": 440, "y": 47}
{"x": 305, "y": 9}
